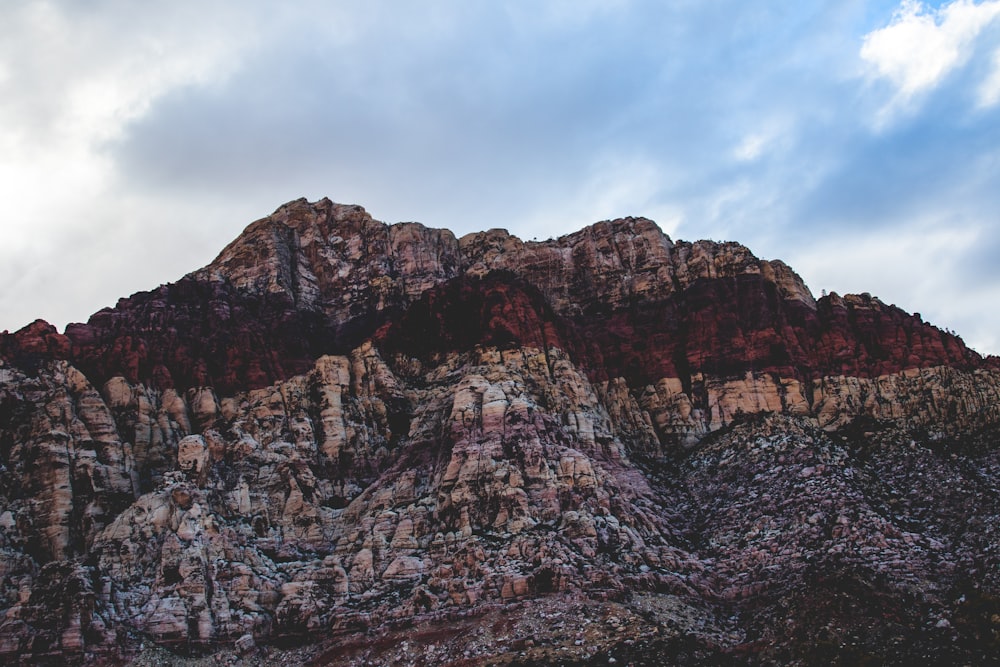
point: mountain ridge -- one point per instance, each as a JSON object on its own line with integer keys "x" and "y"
{"x": 267, "y": 267}
{"x": 340, "y": 429}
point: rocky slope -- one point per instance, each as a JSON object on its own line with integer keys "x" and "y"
{"x": 383, "y": 443}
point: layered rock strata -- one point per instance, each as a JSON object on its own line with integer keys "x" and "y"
{"x": 341, "y": 426}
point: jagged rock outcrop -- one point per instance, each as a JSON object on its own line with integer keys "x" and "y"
{"x": 341, "y": 427}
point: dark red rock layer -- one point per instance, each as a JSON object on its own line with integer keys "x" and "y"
{"x": 194, "y": 333}
{"x": 39, "y": 341}
{"x": 498, "y": 310}
{"x": 191, "y": 334}
{"x": 722, "y": 328}
{"x": 727, "y": 327}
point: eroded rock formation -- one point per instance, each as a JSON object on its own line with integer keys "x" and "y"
{"x": 341, "y": 427}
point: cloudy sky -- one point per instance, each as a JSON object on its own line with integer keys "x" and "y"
{"x": 858, "y": 141}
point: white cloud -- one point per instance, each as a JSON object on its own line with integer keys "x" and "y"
{"x": 921, "y": 46}
{"x": 750, "y": 148}
{"x": 72, "y": 83}
{"x": 770, "y": 135}
{"x": 71, "y": 80}
{"x": 989, "y": 90}
{"x": 78, "y": 78}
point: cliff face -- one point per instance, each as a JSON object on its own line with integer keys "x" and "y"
{"x": 341, "y": 426}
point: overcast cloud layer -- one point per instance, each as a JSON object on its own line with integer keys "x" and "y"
{"x": 858, "y": 141}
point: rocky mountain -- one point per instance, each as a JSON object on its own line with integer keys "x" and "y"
{"x": 348, "y": 442}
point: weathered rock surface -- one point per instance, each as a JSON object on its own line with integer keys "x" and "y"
{"x": 341, "y": 429}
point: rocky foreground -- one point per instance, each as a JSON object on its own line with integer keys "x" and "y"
{"x": 352, "y": 443}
